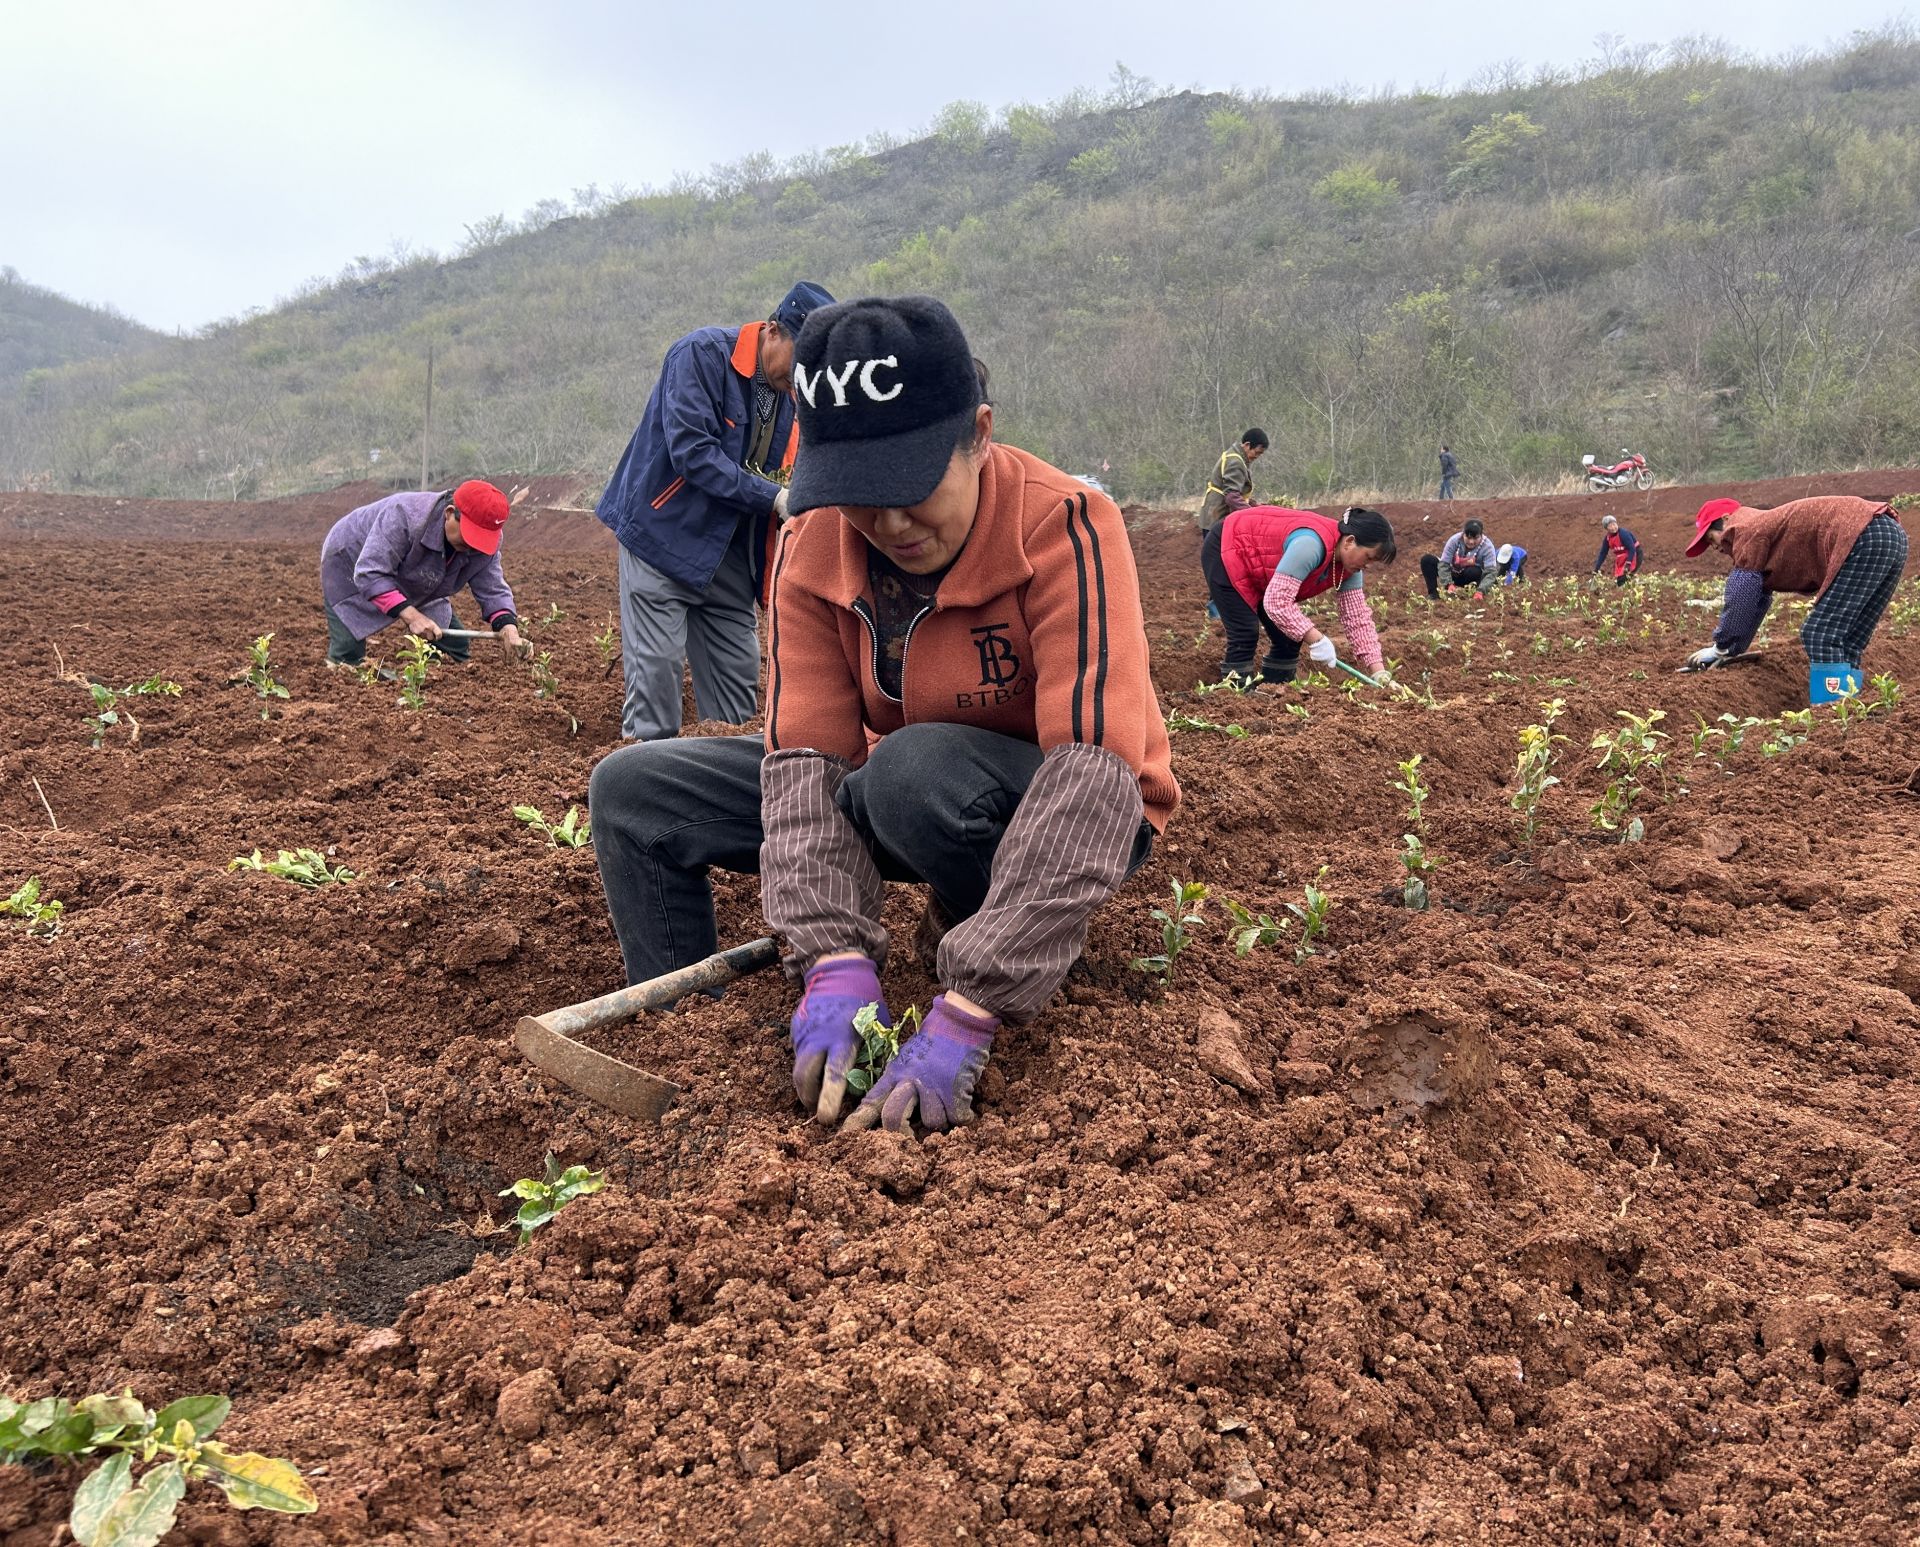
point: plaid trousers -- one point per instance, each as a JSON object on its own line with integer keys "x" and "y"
{"x": 1848, "y": 611}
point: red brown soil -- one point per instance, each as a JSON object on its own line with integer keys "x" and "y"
{"x": 1579, "y": 1208}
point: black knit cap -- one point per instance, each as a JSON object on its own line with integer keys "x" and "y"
{"x": 884, "y": 387}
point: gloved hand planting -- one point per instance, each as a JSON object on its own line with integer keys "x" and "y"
{"x": 824, "y": 1041}
{"x": 935, "y": 1071}
{"x": 1700, "y": 660}
{"x": 1322, "y": 652}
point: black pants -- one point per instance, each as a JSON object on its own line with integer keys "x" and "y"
{"x": 348, "y": 651}
{"x": 1463, "y": 574}
{"x": 1242, "y": 624}
{"x": 931, "y": 803}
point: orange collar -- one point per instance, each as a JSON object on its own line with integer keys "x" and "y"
{"x": 746, "y": 349}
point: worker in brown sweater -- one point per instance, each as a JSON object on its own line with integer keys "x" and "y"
{"x": 958, "y": 694}
{"x": 1848, "y": 553}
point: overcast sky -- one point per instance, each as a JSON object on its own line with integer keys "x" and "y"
{"x": 184, "y": 160}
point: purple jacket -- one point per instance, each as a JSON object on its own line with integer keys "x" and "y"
{"x": 383, "y": 556}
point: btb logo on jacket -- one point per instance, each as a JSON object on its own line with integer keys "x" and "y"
{"x": 1000, "y": 669}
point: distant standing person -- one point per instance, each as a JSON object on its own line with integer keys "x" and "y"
{"x": 696, "y": 494}
{"x": 1622, "y": 547}
{"x": 1449, "y": 470}
{"x": 1231, "y": 486}
{"x": 1262, "y": 563}
{"x": 1848, "y": 553}
{"x": 403, "y": 558}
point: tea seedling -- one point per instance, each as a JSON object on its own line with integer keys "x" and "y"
{"x": 43, "y": 918}
{"x": 1886, "y": 692}
{"x": 1789, "y": 731}
{"x": 109, "y": 706}
{"x": 416, "y": 656}
{"x": 258, "y": 675}
{"x": 878, "y": 1043}
{"x": 1233, "y": 682}
{"x": 608, "y": 641}
{"x": 1532, "y": 775}
{"x": 1176, "y": 929}
{"x": 1420, "y": 865}
{"x": 1624, "y": 753}
{"x": 306, "y": 867}
{"x": 1312, "y": 917}
{"x": 1251, "y": 930}
{"x": 113, "y": 1508}
{"x": 572, "y": 831}
{"x": 1298, "y": 711}
{"x": 1192, "y": 722}
{"x": 555, "y": 612}
{"x": 547, "y": 686}
{"x": 544, "y": 1196}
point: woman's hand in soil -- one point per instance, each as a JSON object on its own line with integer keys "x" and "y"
{"x": 824, "y": 1041}
{"x": 514, "y": 644}
{"x": 934, "y": 1072}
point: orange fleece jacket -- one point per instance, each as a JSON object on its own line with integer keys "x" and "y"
{"x": 1036, "y": 633}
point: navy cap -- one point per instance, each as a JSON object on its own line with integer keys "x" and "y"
{"x": 884, "y": 389}
{"x": 801, "y": 302}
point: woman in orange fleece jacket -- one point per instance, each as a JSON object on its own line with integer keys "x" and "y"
{"x": 958, "y": 695}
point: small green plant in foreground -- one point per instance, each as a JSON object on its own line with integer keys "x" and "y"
{"x": 608, "y": 640}
{"x": 258, "y": 675}
{"x": 43, "y": 918}
{"x": 113, "y": 1507}
{"x": 1419, "y": 864}
{"x": 1176, "y": 929}
{"x": 306, "y": 867}
{"x": 1251, "y": 930}
{"x": 544, "y": 1196}
{"x": 1312, "y": 916}
{"x": 878, "y": 1043}
{"x": 555, "y": 612}
{"x": 1886, "y": 692}
{"x": 1624, "y": 754}
{"x": 1178, "y": 721}
{"x": 572, "y": 831}
{"x": 110, "y": 709}
{"x": 416, "y": 656}
{"x": 1532, "y": 775}
{"x": 546, "y": 685}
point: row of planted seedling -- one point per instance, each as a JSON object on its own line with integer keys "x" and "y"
{"x": 304, "y": 867}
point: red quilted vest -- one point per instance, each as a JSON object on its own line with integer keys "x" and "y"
{"x": 1252, "y": 540}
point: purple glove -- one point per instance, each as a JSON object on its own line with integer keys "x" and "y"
{"x": 935, "y": 1070}
{"x": 824, "y": 1040}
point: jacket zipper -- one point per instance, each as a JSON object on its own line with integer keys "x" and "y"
{"x": 865, "y": 614}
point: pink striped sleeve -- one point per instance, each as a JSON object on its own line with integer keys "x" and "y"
{"x": 1282, "y": 604}
{"x": 1356, "y": 618}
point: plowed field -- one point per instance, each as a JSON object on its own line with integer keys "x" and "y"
{"x": 1579, "y": 1207}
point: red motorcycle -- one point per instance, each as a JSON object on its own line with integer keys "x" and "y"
{"x": 1632, "y": 470}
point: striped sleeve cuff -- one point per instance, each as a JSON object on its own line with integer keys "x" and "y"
{"x": 1063, "y": 854}
{"x": 819, "y": 887}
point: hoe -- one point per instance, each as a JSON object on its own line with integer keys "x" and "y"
{"x": 548, "y": 1040}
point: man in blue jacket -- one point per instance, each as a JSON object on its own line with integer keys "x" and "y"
{"x": 699, "y": 488}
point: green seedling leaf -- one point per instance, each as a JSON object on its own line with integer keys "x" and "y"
{"x": 97, "y": 1495}
{"x": 205, "y": 1414}
{"x": 142, "y": 1515}
{"x": 125, "y": 1411}
{"x": 253, "y": 1481}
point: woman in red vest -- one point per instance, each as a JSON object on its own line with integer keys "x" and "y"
{"x": 1263, "y": 562}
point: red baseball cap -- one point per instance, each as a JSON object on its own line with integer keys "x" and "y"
{"x": 483, "y": 511}
{"x": 1712, "y": 511}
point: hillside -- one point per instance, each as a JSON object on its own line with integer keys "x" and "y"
{"x": 39, "y": 329}
{"x": 1709, "y": 258}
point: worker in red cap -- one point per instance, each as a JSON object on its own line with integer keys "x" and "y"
{"x": 1848, "y": 553}
{"x": 402, "y": 559}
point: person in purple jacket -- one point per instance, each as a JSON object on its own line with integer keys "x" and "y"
{"x": 401, "y": 559}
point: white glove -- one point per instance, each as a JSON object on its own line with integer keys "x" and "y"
{"x": 1713, "y": 655}
{"x": 1321, "y": 652}
{"x": 780, "y": 505}
{"x": 1383, "y": 677}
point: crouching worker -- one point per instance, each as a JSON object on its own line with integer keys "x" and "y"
{"x": 1848, "y": 553}
{"x": 1468, "y": 558}
{"x": 958, "y": 694}
{"x": 403, "y": 558}
{"x": 1512, "y": 559}
{"x": 1263, "y": 562}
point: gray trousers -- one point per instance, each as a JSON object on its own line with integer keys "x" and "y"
{"x": 931, "y": 804}
{"x": 666, "y": 626}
